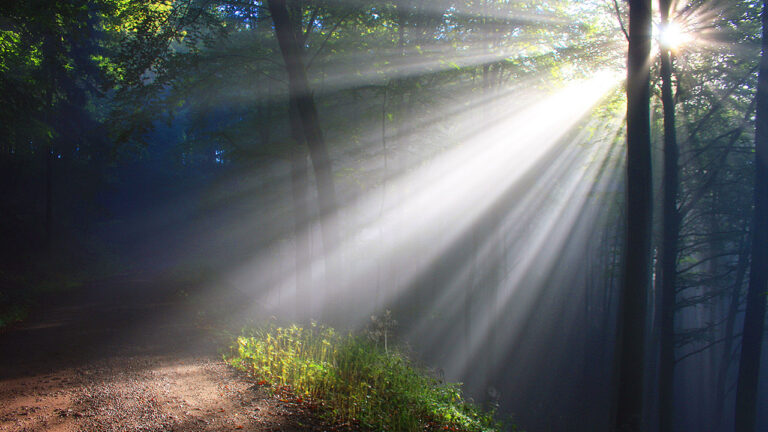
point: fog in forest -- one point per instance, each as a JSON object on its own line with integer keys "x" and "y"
{"x": 473, "y": 205}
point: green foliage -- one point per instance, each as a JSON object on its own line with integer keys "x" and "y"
{"x": 354, "y": 380}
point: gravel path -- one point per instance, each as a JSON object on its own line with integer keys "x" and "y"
{"x": 123, "y": 355}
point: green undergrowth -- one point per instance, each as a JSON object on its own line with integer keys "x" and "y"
{"x": 354, "y": 381}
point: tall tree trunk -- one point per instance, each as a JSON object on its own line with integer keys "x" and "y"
{"x": 49, "y": 57}
{"x": 670, "y": 230}
{"x": 754, "y": 318}
{"x": 636, "y": 275}
{"x": 49, "y": 196}
{"x": 730, "y": 324}
{"x": 301, "y": 226}
{"x": 301, "y": 98}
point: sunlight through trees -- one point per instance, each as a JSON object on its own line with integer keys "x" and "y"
{"x": 560, "y": 203}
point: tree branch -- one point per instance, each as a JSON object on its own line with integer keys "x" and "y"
{"x": 618, "y": 16}
{"x": 704, "y": 348}
{"x": 325, "y": 41}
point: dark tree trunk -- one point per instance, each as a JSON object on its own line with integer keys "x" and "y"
{"x": 636, "y": 274}
{"x": 49, "y": 56}
{"x": 726, "y": 358}
{"x": 301, "y": 97}
{"x": 49, "y": 196}
{"x": 670, "y": 233}
{"x": 754, "y": 318}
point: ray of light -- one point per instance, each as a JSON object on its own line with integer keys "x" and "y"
{"x": 543, "y": 222}
{"x": 439, "y": 201}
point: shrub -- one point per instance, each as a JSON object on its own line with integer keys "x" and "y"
{"x": 355, "y": 380}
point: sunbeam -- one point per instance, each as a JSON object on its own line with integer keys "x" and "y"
{"x": 399, "y": 215}
{"x": 509, "y": 142}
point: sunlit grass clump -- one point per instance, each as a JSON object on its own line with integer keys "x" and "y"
{"x": 356, "y": 381}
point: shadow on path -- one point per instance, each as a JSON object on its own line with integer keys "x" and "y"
{"x": 124, "y": 354}
{"x": 120, "y": 316}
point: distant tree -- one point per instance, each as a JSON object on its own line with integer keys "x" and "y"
{"x": 670, "y": 233}
{"x": 299, "y": 191}
{"x": 290, "y": 37}
{"x": 636, "y": 277}
{"x": 754, "y": 318}
{"x": 714, "y": 106}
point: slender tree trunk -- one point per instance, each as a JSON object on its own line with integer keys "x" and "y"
{"x": 651, "y": 389}
{"x": 301, "y": 228}
{"x": 301, "y": 98}
{"x": 384, "y": 184}
{"x": 670, "y": 230}
{"x": 636, "y": 274}
{"x": 48, "y": 54}
{"x": 730, "y": 324}
{"x": 754, "y": 318}
{"x": 49, "y": 196}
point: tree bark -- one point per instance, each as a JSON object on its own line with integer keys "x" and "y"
{"x": 754, "y": 318}
{"x": 636, "y": 275}
{"x": 670, "y": 230}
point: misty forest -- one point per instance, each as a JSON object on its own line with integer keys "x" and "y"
{"x": 383, "y": 215}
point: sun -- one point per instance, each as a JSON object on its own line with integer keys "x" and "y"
{"x": 672, "y": 36}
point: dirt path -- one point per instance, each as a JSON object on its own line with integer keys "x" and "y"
{"x": 125, "y": 355}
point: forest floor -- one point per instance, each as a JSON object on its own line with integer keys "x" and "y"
{"x": 129, "y": 355}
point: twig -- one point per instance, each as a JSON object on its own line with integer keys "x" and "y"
{"x": 618, "y": 16}
{"x": 704, "y": 348}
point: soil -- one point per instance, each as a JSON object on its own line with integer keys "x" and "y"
{"x": 130, "y": 355}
